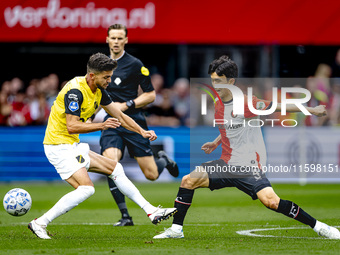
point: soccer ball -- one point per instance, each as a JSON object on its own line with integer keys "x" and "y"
{"x": 17, "y": 202}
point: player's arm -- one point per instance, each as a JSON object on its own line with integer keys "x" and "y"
{"x": 144, "y": 99}
{"x": 76, "y": 126}
{"x": 127, "y": 122}
{"x": 73, "y": 100}
{"x": 91, "y": 119}
{"x": 319, "y": 110}
{"x": 211, "y": 146}
{"x": 142, "y": 76}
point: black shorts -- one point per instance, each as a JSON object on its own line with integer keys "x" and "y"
{"x": 250, "y": 181}
{"x": 120, "y": 137}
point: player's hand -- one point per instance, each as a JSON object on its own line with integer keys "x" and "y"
{"x": 111, "y": 123}
{"x": 122, "y": 106}
{"x": 150, "y": 134}
{"x": 320, "y": 110}
{"x": 209, "y": 147}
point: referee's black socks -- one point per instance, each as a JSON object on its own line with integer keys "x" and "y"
{"x": 182, "y": 203}
{"x": 294, "y": 211}
{"x": 161, "y": 164}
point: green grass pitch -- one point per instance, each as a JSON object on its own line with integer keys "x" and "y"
{"x": 210, "y": 226}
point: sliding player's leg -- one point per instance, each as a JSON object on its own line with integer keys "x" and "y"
{"x": 269, "y": 199}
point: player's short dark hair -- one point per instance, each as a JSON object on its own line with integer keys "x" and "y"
{"x": 99, "y": 63}
{"x": 117, "y": 26}
{"x": 224, "y": 66}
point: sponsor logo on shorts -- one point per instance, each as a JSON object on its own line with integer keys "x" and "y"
{"x": 80, "y": 159}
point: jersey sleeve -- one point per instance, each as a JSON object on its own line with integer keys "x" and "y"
{"x": 258, "y": 104}
{"x": 143, "y": 77}
{"x": 73, "y": 100}
{"x": 106, "y": 99}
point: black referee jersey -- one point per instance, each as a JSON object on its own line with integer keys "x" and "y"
{"x": 125, "y": 80}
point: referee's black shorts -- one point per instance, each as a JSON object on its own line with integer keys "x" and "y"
{"x": 120, "y": 137}
{"x": 250, "y": 180}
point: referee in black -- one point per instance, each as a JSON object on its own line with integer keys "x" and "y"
{"x": 123, "y": 90}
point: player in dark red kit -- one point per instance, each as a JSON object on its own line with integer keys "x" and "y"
{"x": 243, "y": 154}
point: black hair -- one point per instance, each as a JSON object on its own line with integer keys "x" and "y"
{"x": 224, "y": 66}
{"x": 99, "y": 63}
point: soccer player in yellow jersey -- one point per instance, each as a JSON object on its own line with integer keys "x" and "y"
{"x": 75, "y": 104}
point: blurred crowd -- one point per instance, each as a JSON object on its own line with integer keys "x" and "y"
{"x": 22, "y": 105}
{"x": 176, "y": 104}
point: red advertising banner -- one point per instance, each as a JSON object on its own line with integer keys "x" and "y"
{"x": 159, "y": 21}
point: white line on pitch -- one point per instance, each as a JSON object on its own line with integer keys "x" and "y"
{"x": 250, "y": 232}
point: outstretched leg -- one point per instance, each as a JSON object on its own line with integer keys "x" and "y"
{"x": 115, "y": 171}
{"x": 269, "y": 199}
{"x": 116, "y": 154}
{"x": 151, "y": 168}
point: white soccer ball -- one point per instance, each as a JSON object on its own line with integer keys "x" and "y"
{"x": 17, "y": 202}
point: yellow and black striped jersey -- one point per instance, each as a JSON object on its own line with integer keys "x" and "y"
{"x": 75, "y": 98}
